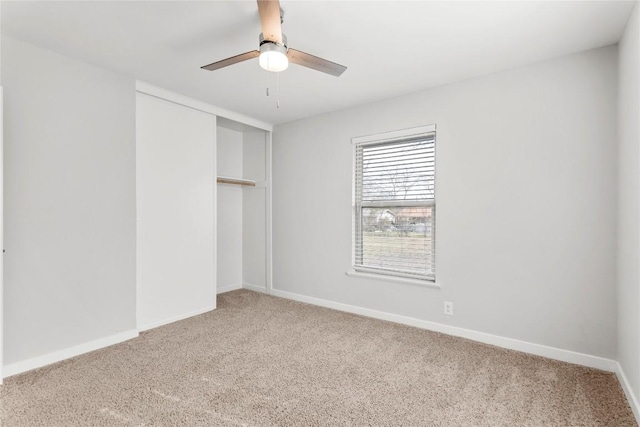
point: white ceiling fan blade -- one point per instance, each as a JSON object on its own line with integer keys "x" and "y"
{"x": 270, "y": 20}
{"x": 230, "y": 61}
{"x": 315, "y": 63}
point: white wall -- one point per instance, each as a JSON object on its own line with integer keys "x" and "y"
{"x": 70, "y": 202}
{"x": 230, "y": 159}
{"x": 629, "y": 204}
{"x": 176, "y": 175}
{"x": 526, "y": 194}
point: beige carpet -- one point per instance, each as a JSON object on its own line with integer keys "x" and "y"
{"x": 265, "y": 361}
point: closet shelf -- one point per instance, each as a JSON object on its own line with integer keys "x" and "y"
{"x": 236, "y": 181}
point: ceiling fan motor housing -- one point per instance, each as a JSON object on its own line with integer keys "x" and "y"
{"x": 266, "y": 42}
{"x": 273, "y": 56}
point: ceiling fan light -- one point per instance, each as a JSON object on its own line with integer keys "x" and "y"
{"x": 273, "y": 57}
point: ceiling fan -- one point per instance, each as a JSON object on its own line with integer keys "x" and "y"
{"x": 274, "y": 53}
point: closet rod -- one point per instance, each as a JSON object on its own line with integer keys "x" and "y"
{"x": 236, "y": 181}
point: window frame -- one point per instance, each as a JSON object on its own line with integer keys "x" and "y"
{"x": 356, "y": 224}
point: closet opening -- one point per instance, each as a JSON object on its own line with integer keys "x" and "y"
{"x": 243, "y": 182}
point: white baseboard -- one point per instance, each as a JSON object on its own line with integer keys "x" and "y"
{"x": 228, "y": 288}
{"x": 57, "y": 356}
{"x": 628, "y": 391}
{"x": 509, "y": 343}
{"x": 255, "y": 288}
{"x": 175, "y": 318}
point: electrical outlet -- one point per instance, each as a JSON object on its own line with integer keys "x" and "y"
{"x": 448, "y": 308}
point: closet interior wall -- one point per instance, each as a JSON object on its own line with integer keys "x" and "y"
{"x": 242, "y": 153}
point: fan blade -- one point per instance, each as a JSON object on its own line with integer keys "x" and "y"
{"x": 270, "y": 20}
{"x": 232, "y": 60}
{"x": 315, "y": 63}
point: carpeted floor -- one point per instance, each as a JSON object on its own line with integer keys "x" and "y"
{"x": 264, "y": 361}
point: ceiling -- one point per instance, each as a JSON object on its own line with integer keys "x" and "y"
{"x": 390, "y": 47}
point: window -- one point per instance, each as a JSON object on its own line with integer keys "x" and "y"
{"x": 394, "y": 203}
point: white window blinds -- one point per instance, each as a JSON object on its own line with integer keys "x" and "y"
{"x": 394, "y": 204}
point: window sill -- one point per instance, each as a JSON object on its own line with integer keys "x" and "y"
{"x": 386, "y": 278}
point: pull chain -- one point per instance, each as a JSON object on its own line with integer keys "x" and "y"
{"x": 278, "y": 90}
{"x": 277, "y": 87}
{"x": 268, "y": 81}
